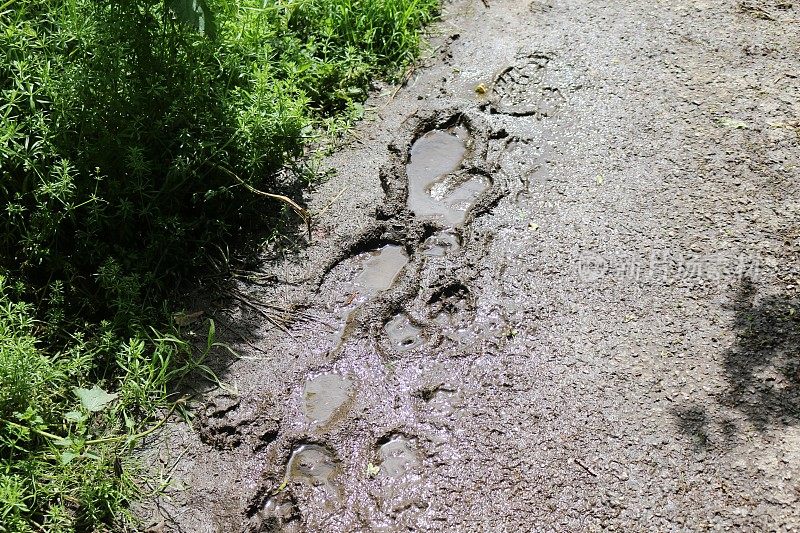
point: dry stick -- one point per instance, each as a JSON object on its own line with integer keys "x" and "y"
{"x": 259, "y": 278}
{"x": 276, "y": 307}
{"x": 280, "y": 314}
{"x": 328, "y": 206}
{"x": 759, "y": 12}
{"x": 401, "y": 84}
{"x": 285, "y": 199}
{"x": 579, "y": 463}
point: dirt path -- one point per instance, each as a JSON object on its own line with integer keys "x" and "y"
{"x": 591, "y": 321}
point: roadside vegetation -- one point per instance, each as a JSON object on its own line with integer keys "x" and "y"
{"x": 132, "y": 136}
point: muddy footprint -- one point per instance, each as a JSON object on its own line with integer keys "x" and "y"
{"x": 435, "y": 188}
{"x": 398, "y": 456}
{"x": 401, "y": 335}
{"x": 278, "y": 513}
{"x": 379, "y": 272}
{"x": 441, "y": 243}
{"x": 520, "y": 90}
{"x": 318, "y": 467}
{"x": 325, "y": 398}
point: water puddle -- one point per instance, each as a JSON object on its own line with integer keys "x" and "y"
{"x": 325, "y": 396}
{"x": 379, "y": 273}
{"x": 459, "y": 198}
{"x": 433, "y": 156}
{"x": 381, "y": 269}
{"x": 437, "y": 153}
{"x": 441, "y": 243}
{"x": 315, "y": 466}
{"x": 402, "y": 334}
{"x": 398, "y": 457}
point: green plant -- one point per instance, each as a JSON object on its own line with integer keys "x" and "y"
{"x": 134, "y": 138}
{"x": 61, "y": 445}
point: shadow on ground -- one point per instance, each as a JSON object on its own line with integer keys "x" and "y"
{"x": 226, "y": 293}
{"x": 761, "y": 369}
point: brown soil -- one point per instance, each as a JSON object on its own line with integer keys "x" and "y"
{"x": 580, "y": 313}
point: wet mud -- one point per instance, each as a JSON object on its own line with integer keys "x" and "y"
{"x": 559, "y": 292}
{"x": 324, "y": 396}
{"x": 434, "y": 190}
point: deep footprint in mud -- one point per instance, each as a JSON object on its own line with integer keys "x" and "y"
{"x": 441, "y": 243}
{"x": 398, "y": 457}
{"x": 452, "y": 308}
{"x": 318, "y": 467}
{"x": 433, "y": 190}
{"x": 279, "y": 513}
{"x": 380, "y": 270}
{"x": 402, "y": 334}
{"x": 443, "y": 402}
{"x": 325, "y": 397}
{"x": 452, "y": 302}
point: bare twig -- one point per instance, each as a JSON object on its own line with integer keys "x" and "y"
{"x": 402, "y": 83}
{"x": 755, "y": 11}
{"x": 303, "y": 213}
{"x": 328, "y": 206}
{"x": 579, "y": 463}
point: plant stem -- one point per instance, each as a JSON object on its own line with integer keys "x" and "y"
{"x": 104, "y": 440}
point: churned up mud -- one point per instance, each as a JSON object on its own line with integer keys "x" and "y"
{"x": 554, "y": 286}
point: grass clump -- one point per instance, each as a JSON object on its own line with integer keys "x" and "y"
{"x": 131, "y": 137}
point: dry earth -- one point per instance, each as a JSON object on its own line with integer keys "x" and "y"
{"x": 559, "y": 292}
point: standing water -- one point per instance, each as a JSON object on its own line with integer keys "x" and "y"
{"x": 433, "y": 156}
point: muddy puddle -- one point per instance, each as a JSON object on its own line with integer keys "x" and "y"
{"x": 316, "y": 466}
{"x": 398, "y": 457}
{"x": 325, "y": 397}
{"x": 402, "y": 334}
{"x": 381, "y": 269}
{"x": 433, "y": 190}
{"x": 379, "y": 272}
